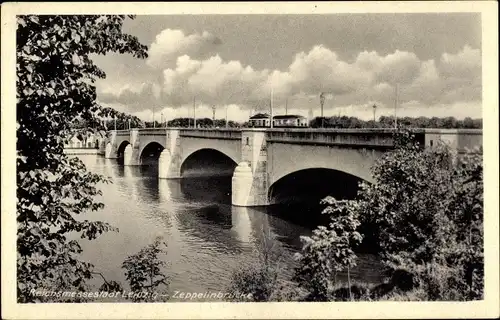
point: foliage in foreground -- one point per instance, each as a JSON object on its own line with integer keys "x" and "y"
{"x": 329, "y": 250}
{"x": 144, "y": 272}
{"x": 261, "y": 281}
{"x": 55, "y": 77}
{"x": 425, "y": 209}
{"x": 425, "y": 212}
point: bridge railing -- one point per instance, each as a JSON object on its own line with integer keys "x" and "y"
{"x": 227, "y": 134}
{"x": 152, "y": 131}
{"x": 373, "y": 138}
{"x": 123, "y": 133}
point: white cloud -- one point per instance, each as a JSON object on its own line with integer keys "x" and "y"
{"x": 465, "y": 63}
{"x": 454, "y": 80}
{"x": 399, "y": 67}
{"x": 170, "y": 44}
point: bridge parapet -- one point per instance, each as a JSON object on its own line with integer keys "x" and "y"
{"x": 122, "y": 132}
{"x": 458, "y": 139}
{"x": 152, "y": 131}
{"x": 225, "y": 134}
{"x": 362, "y": 138}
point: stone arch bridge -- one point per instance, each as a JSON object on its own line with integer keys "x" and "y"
{"x": 262, "y": 157}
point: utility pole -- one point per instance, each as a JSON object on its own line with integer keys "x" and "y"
{"x": 194, "y": 111}
{"x": 286, "y": 106}
{"x": 153, "y": 116}
{"x": 213, "y": 115}
{"x": 396, "y": 107}
{"x": 161, "y": 120}
{"x": 226, "y": 118}
{"x": 115, "y": 122}
{"x": 374, "y": 110}
{"x": 129, "y": 127}
{"x": 271, "y": 120}
{"x": 322, "y": 102}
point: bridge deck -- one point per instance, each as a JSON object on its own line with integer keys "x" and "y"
{"x": 363, "y": 138}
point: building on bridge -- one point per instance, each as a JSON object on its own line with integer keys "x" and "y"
{"x": 259, "y": 120}
{"x": 289, "y": 121}
{"x": 263, "y": 120}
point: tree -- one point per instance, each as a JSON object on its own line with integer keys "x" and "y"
{"x": 144, "y": 272}
{"x": 55, "y": 78}
{"x": 107, "y": 117}
{"x": 426, "y": 210}
{"x": 329, "y": 250}
{"x": 259, "y": 282}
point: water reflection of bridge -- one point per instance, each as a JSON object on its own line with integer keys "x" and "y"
{"x": 200, "y": 205}
{"x": 197, "y": 214}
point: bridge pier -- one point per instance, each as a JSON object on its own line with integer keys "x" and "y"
{"x": 110, "y": 147}
{"x": 249, "y": 182}
{"x": 109, "y": 152}
{"x": 169, "y": 163}
{"x": 168, "y": 167}
{"x": 131, "y": 156}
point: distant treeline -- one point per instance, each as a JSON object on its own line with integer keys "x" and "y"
{"x": 107, "y": 119}
{"x": 122, "y": 122}
{"x": 342, "y": 122}
{"x": 388, "y": 122}
{"x": 200, "y": 123}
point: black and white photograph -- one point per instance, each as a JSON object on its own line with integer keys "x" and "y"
{"x": 257, "y": 155}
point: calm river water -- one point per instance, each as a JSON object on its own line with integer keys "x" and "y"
{"x": 207, "y": 237}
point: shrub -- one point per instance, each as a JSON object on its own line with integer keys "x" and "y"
{"x": 260, "y": 281}
{"x": 329, "y": 250}
{"x": 144, "y": 272}
{"x": 426, "y": 210}
{"x": 426, "y": 207}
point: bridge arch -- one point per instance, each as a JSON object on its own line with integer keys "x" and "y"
{"x": 207, "y": 162}
{"x": 120, "y": 152}
{"x": 150, "y": 152}
{"x": 353, "y": 161}
{"x": 313, "y": 184}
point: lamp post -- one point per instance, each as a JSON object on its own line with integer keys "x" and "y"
{"x": 374, "y": 110}
{"x": 226, "y": 117}
{"x": 194, "y": 112}
{"x": 322, "y": 102}
{"x": 396, "y": 107}
{"x": 272, "y": 115}
{"x": 213, "y": 115}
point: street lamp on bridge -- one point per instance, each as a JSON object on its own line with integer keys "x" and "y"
{"x": 322, "y": 103}
{"x": 213, "y": 115}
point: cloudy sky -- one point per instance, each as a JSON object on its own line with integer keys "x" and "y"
{"x": 232, "y": 62}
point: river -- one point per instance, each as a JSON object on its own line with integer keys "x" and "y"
{"x": 207, "y": 237}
